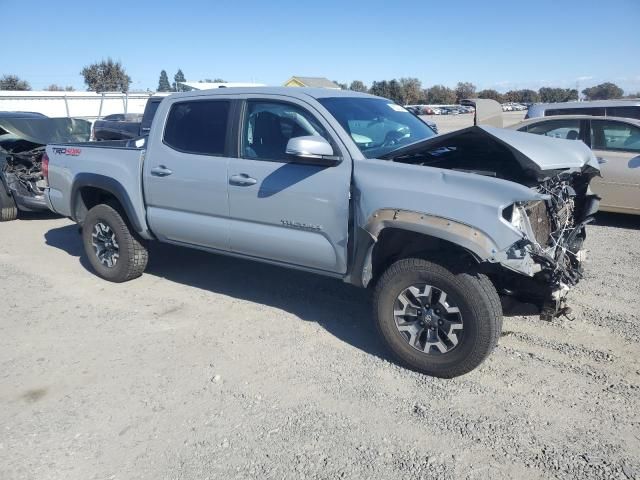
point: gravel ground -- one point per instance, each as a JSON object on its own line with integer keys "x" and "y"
{"x": 448, "y": 123}
{"x": 212, "y": 367}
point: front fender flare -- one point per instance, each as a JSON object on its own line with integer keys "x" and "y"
{"x": 471, "y": 239}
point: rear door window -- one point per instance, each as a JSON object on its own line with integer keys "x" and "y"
{"x": 614, "y": 136}
{"x": 568, "y": 129}
{"x": 198, "y": 126}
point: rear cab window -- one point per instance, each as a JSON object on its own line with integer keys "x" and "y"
{"x": 149, "y": 112}
{"x": 198, "y": 127}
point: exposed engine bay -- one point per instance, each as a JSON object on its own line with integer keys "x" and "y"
{"x": 554, "y": 233}
{"x": 535, "y": 273}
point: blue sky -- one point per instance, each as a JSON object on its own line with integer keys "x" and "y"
{"x": 494, "y": 44}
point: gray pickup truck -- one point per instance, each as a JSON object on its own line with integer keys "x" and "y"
{"x": 447, "y": 230}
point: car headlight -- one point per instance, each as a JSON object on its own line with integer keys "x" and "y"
{"x": 516, "y": 215}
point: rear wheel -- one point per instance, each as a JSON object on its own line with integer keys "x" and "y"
{"x": 435, "y": 321}
{"x": 114, "y": 251}
{"x": 8, "y": 209}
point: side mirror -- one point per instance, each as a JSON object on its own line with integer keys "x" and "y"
{"x": 312, "y": 150}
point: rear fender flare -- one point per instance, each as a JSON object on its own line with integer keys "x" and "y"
{"x": 109, "y": 185}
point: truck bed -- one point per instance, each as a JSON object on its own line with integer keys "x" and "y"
{"x": 117, "y": 162}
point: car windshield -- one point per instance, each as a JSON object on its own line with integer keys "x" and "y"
{"x": 376, "y": 125}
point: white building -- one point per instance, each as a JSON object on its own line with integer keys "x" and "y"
{"x": 87, "y": 105}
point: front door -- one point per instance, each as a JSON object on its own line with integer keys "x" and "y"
{"x": 185, "y": 175}
{"x": 618, "y": 144}
{"x": 281, "y": 210}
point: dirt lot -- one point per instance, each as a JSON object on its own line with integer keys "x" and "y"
{"x": 448, "y": 123}
{"x": 212, "y": 367}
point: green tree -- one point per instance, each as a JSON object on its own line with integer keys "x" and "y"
{"x": 490, "y": 94}
{"x": 522, "y": 96}
{"x": 411, "y": 91}
{"x": 604, "y": 91}
{"x": 177, "y": 78}
{"x": 342, "y": 86}
{"x": 465, "y": 90}
{"x": 553, "y": 95}
{"x": 13, "y": 82}
{"x": 439, "y": 95}
{"x": 163, "y": 82}
{"x": 395, "y": 91}
{"x": 380, "y": 89}
{"x": 358, "y": 86}
{"x": 106, "y": 76}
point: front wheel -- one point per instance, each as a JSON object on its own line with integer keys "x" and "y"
{"x": 114, "y": 251}
{"x": 435, "y": 321}
{"x": 8, "y": 209}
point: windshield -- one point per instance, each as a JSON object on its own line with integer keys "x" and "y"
{"x": 376, "y": 125}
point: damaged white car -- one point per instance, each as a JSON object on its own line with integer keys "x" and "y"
{"x": 23, "y": 137}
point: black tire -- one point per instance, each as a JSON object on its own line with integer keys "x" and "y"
{"x": 8, "y": 209}
{"x": 473, "y": 294}
{"x": 133, "y": 255}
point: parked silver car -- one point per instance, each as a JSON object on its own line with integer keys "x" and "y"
{"x": 615, "y": 141}
{"x": 601, "y": 108}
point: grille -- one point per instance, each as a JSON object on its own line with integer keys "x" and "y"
{"x": 540, "y": 221}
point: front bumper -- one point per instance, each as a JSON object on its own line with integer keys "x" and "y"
{"x": 541, "y": 274}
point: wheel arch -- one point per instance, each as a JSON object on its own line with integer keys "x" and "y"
{"x": 90, "y": 189}
{"x": 390, "y": 235}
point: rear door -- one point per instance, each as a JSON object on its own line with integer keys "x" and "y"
{"x": 185, "y": 174}
{"x": 618, "y": 144}
{"x": 281, "y": 210}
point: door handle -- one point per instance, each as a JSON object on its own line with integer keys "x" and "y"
{"x": 242, "y": 179}
{"x": 161, "y": 171}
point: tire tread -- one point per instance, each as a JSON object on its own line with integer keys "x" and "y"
{"x": 482, "y": 298}
{"x": 8, "y": 208}
{"x": 137, "y": 255}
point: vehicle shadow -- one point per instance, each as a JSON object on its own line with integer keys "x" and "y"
{"x": 341, "y": 309}
{"x": 618, "y": 220}
{"x": 40, "y": 215}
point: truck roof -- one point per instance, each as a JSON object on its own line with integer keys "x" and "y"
{"x": 295, "y": 92}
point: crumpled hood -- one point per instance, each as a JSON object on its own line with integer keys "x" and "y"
{"x": 43, "y": 131}
{"x": 534, "y": 152}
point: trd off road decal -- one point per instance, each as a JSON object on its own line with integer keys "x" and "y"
{"x": 74, "y": 152}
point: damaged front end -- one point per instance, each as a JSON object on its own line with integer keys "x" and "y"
{"x": 22, "y": 146}
{"x": 533, "y": 273}
{"x": 550, "y": 253}
{"x": 21, "y": 173}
